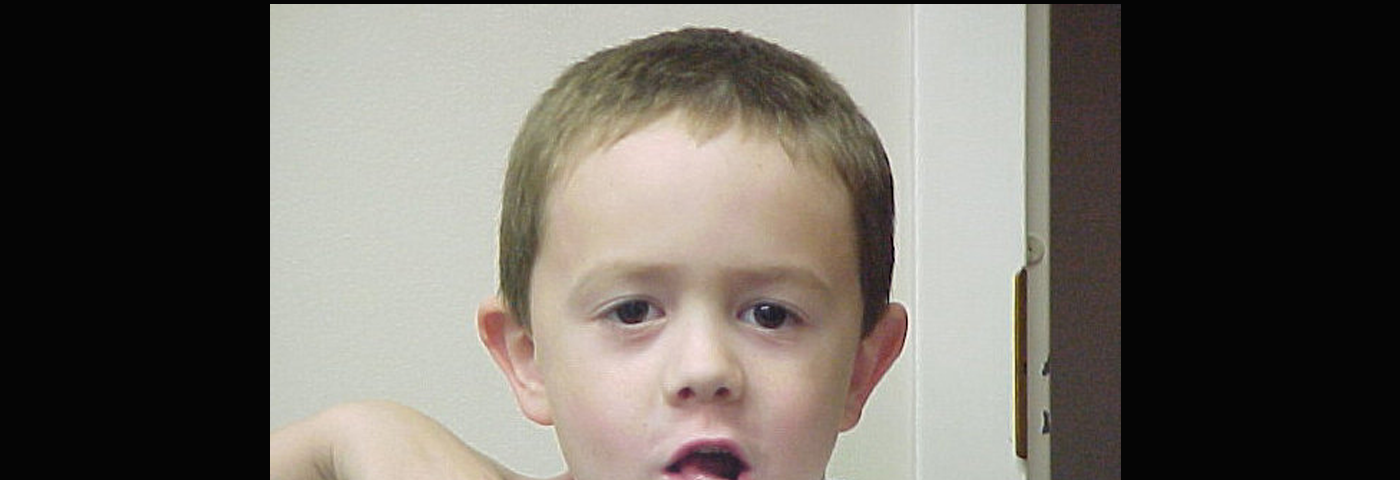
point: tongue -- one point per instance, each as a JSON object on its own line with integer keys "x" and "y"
{"x": 708, "y": 466}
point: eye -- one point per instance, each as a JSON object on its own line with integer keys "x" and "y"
{"x": 768, "y": 315}
{"x": 633, "y": 312}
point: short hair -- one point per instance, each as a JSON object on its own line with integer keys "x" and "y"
{"x": 714, "y": 78}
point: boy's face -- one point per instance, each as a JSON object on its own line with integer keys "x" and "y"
{"x": 696, "y": 312}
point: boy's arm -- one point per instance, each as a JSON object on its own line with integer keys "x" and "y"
{"x": 376, "y": 440}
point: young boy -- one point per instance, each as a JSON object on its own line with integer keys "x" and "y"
{"x": 696, "y": 249}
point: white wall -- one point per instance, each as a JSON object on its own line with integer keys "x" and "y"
{"x": 389, "y": 127}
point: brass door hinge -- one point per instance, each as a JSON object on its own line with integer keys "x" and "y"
{"x": 1020, "y": 364}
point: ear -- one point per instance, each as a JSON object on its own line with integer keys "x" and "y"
{"x": 877, "y": 352}
{"x": 513, "y": 348}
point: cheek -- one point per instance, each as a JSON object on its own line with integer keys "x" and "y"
{"x": 590, "y": 397}
{"x": 806, "y": 407}
{"x": 803, "y": 411}
{"x": 599, "y": 407}
{"x": 574, "y": 378}
{"x": 822, "y": 376}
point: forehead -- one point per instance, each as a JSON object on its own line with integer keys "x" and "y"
{"x": 660, "y": 196}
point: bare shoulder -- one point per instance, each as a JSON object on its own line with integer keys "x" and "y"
{"x": 378, "y": 439}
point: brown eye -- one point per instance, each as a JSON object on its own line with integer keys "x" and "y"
{"x": 632, "y": 312}
{"x": 768, "y": 315}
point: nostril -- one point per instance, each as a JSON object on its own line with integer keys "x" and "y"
{"x": 688, "y": 393}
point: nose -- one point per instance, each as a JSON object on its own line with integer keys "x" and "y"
{"x": 703, "y": 367}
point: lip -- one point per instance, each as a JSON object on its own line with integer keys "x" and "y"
{"x": 711, "y": 443}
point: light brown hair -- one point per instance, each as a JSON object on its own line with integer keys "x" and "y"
{"x": 714, "y": 78}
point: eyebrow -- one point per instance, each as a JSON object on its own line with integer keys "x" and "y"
{"x": 644, "y": 273}
{"x": 761, "y": 276}
{"x": 599, "y": 277}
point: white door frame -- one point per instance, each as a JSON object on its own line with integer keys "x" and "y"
{"x": 970, "y": 227}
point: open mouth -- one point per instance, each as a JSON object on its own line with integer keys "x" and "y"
{"x": 708, "y": 461}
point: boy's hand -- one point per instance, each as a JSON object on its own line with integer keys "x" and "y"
{"x": 376, "y": 440}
